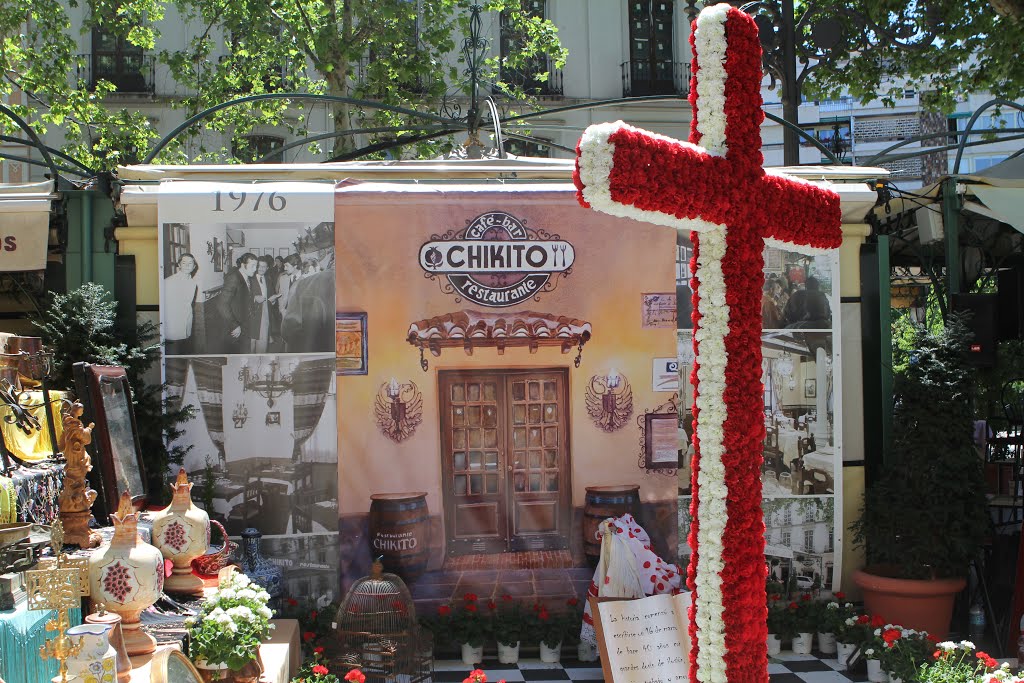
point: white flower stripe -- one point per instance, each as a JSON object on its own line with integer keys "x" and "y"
{"x": 712, "y": 511}
{"x": 710, "y": 43}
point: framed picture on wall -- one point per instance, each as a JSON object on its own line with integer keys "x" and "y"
{"x": 350, "y": 343}
{"x": 810, "y": 388}
{"x": 661, "y": 441}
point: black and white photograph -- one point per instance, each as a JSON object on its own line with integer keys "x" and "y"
{"x": 310, "y": 562}
{"x": 797, "y": 291}
{"x": 799, "y": 446}
{"x": 802, "y": 531}
{"x": 247, "y": 288}
{"x": 264, "y": 439}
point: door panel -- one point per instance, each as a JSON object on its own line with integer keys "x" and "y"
{"x": 505, "y": 460}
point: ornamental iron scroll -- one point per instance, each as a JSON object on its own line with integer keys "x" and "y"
{"x": 399, "y": 409}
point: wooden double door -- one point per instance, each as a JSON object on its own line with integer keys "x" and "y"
{"x": 505, "y": 459}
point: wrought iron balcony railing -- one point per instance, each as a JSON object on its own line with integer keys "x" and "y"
{"x": 130, "y": 73}
{"x": 655, "y": 77}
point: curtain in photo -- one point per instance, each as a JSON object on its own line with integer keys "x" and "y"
{"x": 209, "y": 374}
{"x": 175, "y": 376}
{"x": 311, "y": 383}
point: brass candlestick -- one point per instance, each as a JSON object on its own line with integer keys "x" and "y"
{"x": 58, "y": 585}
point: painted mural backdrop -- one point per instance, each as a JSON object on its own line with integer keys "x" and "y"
{"x": 500, "y": 386}
{"x": 247, "y": 324}
{"x": 802, "y": 471}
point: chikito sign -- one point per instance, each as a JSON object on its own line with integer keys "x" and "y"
{"x": 497, "y": 261}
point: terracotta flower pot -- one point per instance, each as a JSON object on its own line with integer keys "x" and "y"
{"x": 925, "y": 605}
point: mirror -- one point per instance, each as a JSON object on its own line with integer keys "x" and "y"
{"x": 170, "y": 666}
{"x": 107, "y": 399}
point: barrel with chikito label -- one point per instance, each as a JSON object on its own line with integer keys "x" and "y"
{"x": 400, "y": 532}
{"x": 601, "y": 503}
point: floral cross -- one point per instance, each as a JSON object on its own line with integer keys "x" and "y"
{"x": 718, "y": 190}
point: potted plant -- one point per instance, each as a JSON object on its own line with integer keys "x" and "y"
{"x": 226, "y": 634}
{"x": 904, "y": 650}
{"x": 585, "y": 651}
{"x": 508, "y": 629}
{"x": 469, "y": 628}
{"x": 926, "y": 515}
{"x": 830, "y": 616}
{"x": 780, "y": 622}
{"x": 959, "y": 662}
{"x": 848, "y": 630}
{"x": 548, "y": 629}
{"x": 805, "y": 620}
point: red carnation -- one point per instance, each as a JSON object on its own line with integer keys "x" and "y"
{"x": 444, "y": 610}
{"x": 877, "y": 622}
{"x": 492, "y": 605}
{"x": 318, "y": 649}
{"x": 471, "y": 607}
{"x": 320, "y": 670}
{"x": 840, "y": 596}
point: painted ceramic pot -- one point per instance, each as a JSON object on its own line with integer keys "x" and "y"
{"x": 258, "y": 568}
{"x": 96, "y": 662}
{"x": 181, "y": 531}
{"x": 127, "y": 575}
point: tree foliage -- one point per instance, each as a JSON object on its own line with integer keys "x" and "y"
{"x": 402, "y": 53}
{"x": 944, "y": 48}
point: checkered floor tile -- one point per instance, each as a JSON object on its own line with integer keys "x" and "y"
{"x": 786, "y": 668}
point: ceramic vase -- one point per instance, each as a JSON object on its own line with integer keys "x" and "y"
{"x": 827, "y": 643}
{"x": 472, "y": 655}
{"x": 127, "y": 575}
{"x": 774, "y": 645}
{"x": 116, "y": 638}
{"x": 586, "y": 652}
{"x": 508, "y": 654}
{"x": 843, "y": 652}
{"x": 181, "y": 531}
{"x": 875, "y": 673}
{"x": 258, "y": 568}
{"x": 802, "y": 643}
{"x": 96, "y": 661}
{"x": 552, "y": 654}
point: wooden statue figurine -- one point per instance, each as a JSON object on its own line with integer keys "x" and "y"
{"x": 77, "y": 498}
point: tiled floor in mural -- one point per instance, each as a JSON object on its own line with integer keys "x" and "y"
{"x": 786, "y": 668}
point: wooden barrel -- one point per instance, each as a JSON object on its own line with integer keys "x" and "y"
{"x": 603, "y": 502}
{"x": 400, "y": 531}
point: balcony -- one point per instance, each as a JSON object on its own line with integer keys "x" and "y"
{"x": 133, "y": 74}
{"x": 647, "y": 77}
{"x": 531, "y": 85}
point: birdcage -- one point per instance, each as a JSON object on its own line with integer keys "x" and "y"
{"x": 378, "y": 633}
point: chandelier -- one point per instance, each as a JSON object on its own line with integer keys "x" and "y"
{"x": 270, "y": 385}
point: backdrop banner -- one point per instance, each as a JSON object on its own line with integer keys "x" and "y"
{"x": 495, "y": 348}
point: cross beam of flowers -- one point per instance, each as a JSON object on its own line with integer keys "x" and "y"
{"x": 734, "y": 208}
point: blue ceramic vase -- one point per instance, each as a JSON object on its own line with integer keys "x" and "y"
{"x": 258, "y": 568}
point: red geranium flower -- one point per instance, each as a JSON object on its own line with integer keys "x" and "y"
{"x": 476, "y": 676}
{"x": 321, "y": 670}
{"x": 312, "y": 615}
{"x": 793, "y": 605}
{"x": 308, "y": 636}
{"x": 506, "y": 598}
{"x": 471, "y": 607}
{"x": 318, "y": 649}
{"x": 355, "y": 676}
{"x": 292, "y": 602}
{"x": 877, "y": 622}
{"x": 543, "y": 614}
{"x": 444, "y": 610}
{"x": 469, "y": 597}
{"x": 987, "y": 660}
{"x": 863, "y": 619}
{"x": 840, "y": 595}
{"x": 891, "y": 635}
{"x": 492, "y": 605}
{"x": 572, "y": 602}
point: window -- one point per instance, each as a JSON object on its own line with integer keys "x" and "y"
{"x": 787, "y": 538}
{"x": 651, "y": 70}
{"x": 831, "y": 540}
{"x": 526, "y": 76}
{"x": 258, "y": 149}
{"x": 787, "y": 516}
{"x": 809, "y": 540}
{"x": 116, "y": 60}
{"x": 981, "y": 163}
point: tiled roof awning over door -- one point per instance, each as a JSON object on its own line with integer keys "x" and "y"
{"x": 476, "y": 329}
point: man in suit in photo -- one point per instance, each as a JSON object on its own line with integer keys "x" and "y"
{"x": 236, "y": 304}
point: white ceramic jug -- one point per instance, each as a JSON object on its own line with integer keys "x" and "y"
{"x": 96, "y": 662}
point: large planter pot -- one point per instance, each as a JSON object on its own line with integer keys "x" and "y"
{"x": 919, "y": 604}
{"x": 552, "y": 654}
{"x": 508, "y": 654}
{"x": 827, "y": 643}
{"x": 774, "y": 645}
{"x": 802, "y": 643}
{"x": 472, "y": 655}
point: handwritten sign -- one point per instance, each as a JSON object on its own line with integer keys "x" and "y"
{"x": 646, "y": 640}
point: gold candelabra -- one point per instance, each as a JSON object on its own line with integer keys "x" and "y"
{"x": 59, "y": 584}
